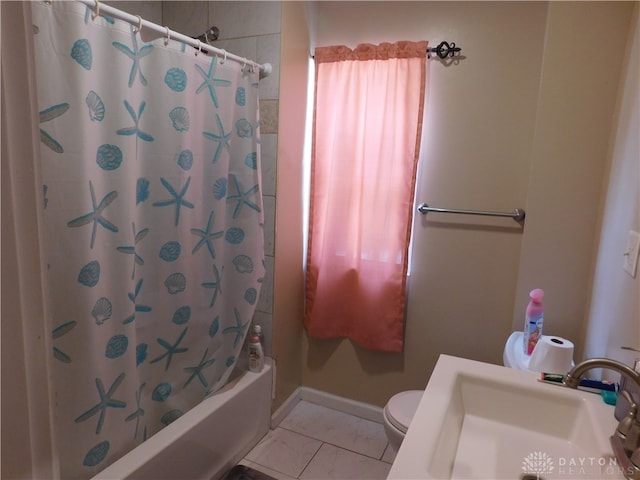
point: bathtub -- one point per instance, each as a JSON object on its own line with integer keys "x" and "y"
{"x": 209, "y": 439}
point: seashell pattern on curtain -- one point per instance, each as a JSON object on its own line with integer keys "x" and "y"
{"x": 153, "y": 223}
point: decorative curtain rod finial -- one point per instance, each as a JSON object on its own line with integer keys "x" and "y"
{"x": 444, "y": 49}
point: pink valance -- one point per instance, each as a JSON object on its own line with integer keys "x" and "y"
{"x": 368, "y": 51}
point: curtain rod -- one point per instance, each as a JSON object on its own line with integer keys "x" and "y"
{"x": 444, "y": 49}
{"x": 138, "y": 22}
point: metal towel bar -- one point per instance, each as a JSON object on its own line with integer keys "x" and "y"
{"x": 518, "y": 214}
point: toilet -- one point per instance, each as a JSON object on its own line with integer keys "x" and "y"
{"x": 513, "y": 355}
{"x": 400, "y": 409}
{"x": 398, "y": 413}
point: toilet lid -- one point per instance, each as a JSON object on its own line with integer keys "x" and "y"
{"x": 401, "y": 408}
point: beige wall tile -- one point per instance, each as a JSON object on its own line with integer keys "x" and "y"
{"x": 268, "y": 116}
{"x": 188, "y": 18}
{"x": 243, "y": 19}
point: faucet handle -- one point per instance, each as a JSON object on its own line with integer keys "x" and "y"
{"x": 630, "y": 419}
{"x": 629, "y": 427}
{"x": 635, "y": 460}
{"x": 631, "y": 442}
{"x": 632, "y": 404}
{"x": 627, "y": 462}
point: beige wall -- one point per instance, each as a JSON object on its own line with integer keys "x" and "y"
{"x": 569, "y": 159}
{"x": 614, "y": 314}
{"x": 522, "y": 121}
{"x": 28, "y": 448}
{"x": 288, "y": 275}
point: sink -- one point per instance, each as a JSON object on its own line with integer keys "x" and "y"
{"x": 481, "y": 421}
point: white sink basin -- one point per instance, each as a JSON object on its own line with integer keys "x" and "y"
{"x": 482, "y": 421}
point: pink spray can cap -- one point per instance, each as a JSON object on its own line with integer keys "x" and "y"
{"x": 536, "y": 295}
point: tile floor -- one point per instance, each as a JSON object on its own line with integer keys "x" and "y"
{"x": 314, "y": 442}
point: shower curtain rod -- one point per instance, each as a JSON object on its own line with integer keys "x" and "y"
{"x": 137, "y": 21}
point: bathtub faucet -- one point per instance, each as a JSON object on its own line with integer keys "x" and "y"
{"x": 626, "y": 439}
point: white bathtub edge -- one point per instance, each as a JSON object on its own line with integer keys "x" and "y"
{"x": 152, "y": 447}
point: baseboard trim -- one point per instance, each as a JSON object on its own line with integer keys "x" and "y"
{"x": 285, "y": 408}
{"x": 342, "y": 404}
{"x": 329, "y": 400}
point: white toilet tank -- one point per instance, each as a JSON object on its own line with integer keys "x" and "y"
{"x": 546, "y": 357}
{"x": 513, "y": 355}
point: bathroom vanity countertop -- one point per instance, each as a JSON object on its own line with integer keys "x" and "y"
{"x": 477, "y": 421}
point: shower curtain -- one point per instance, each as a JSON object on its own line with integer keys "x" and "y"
{"x": 153, "y": 226}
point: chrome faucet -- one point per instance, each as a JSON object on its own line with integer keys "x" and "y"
{"x": 626, "y": 439}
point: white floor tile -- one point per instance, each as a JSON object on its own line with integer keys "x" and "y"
{"x": 336, "y": 463}
{"x": 340, "y": 429}
{"x": 284, "y": 451}
{"x": 265, "y": 470}
{"x": 389, "y": 454}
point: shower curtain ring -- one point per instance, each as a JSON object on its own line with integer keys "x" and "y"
{"x": 139, "y": 27}
{"x": 224, "y": 58}
{"x": 168, "y": 37}
{"x": 96, "y": 12}
{"x": 198, "y": 50}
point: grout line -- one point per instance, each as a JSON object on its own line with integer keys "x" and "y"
{"x": 311, "y": 459}
{"x": 386, "y": 447}
{"x": 340, "y": 446}
{"x": 301, "y": 434}
{"x": 322, "y": 443}
{"x": 299, "y": 395}
{"x": 271, "y": 471}
{"x": 297, "y": 433}
{"x": 276, "y": 469}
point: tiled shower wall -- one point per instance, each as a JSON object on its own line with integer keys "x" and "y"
{"x": 251, "y": 30}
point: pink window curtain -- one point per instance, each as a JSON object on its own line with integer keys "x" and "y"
{"x": 367, "y": 125}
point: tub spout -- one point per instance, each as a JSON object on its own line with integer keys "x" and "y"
{"x": 626, "y": 439}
